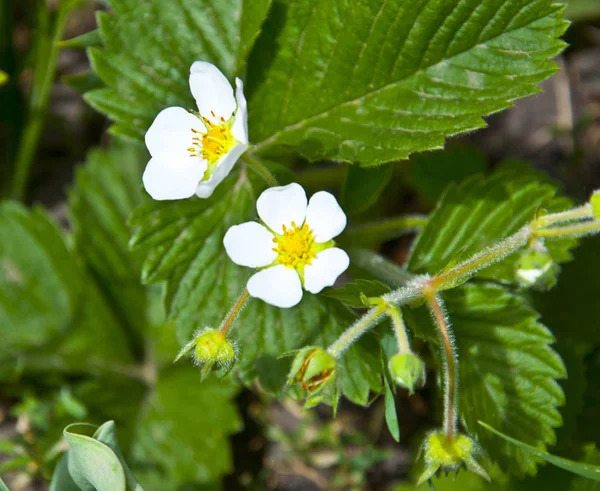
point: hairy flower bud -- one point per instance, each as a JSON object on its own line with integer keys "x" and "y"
{"x": 536, "y": 269}
{"x": 442, "y": 453}
{"x": 211, "y": 351}
{"x": 407, "y": 371}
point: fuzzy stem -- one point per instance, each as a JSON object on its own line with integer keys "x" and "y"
{"x": 261, "y": 169}
{"x": 585, "y": 228}
{"x": 482, "y": 259}
{"x": 585, "y": 211}
{"x": 356, "y": 330}
{"x": 450, "y": 358}
{"x": 233, "y": 313}
{"x": 395, "y": 316}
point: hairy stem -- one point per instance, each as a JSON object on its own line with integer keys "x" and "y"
{"x": 233, "y": 313}
{"x": 356, "y": 330}
{"x": 395, "y": 315}
{"x": 585, "y": 211}
{"x": 577, "y": 230}
{"x": 450, "y": 358}
{"x": 260, "y": 169}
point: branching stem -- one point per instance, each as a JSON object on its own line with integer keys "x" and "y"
{"x": 356, "y": 330}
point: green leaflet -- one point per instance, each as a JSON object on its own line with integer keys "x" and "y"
{"x": 183, "y": 241}
{"x": 508, "y": 371}
{"x": 183, "y": 433}
{"x": 51, "y": 316}
{"x": 150, "y": 47}
{"x": 372, "y": 81}
{"x": 352, "y": 293}
{"x": 106, "y": 191}
{"x": 585, "y": 469}
{"x": 481, "y": 211}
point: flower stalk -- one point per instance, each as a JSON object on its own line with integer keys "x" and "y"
{"x": 234, "y": 313}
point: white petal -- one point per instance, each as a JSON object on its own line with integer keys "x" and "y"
{"x": 173, "y": 178}
{"x": 325, "y": 269}
{"x": 250, "y": 244}
{"x": 240, "y": 124}
{"x": 212, "y": 91}
{"x": 171, "y": 132}
{"x": 279, "y": 286}
{"x": 282, "y": 205}
{"x": 325, "y": 217}
{"x": 224, "y": 166}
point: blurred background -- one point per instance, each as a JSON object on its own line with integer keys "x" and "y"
{"x": 46, "y": 123}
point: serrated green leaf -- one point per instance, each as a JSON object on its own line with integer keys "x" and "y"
{"x": 184, "y": 245}
{"x": 351, "y": 293}
{"x": 107, "y": 189}
{"x": 508, "y": 370}
{"x": 363, "y": 186}
{"x": 582, "y": 469}
{"x": 92, "y": 464}
{"x": 150, "y": 47}
{"x": 480, "y": 212}
{"x": 187, "y": 436}
{"x": 51, "y": 315}
{"x": 388, "y": 78}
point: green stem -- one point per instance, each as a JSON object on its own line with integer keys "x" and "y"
{"x": 260, "y": 169}
{"x": 388, "y": 229}
{"x": 582, "y": 212}
{"x": 44, "y": 73}
{"x": 356, "y": 330}
{"x": 450, "y": 358}
{"x": 395, "y": 316}
{"x": 586, "y": 228}
{"x": 234, "y": 313}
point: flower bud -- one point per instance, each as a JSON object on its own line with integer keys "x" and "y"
{"x": 313, "y": 368}
{"x": 536, "y": 269}
{"x": 442, "y": 453}
{"x": 595, "y": 202}
{"x": 407, "y": 371}
{"x": 211, "y": 351}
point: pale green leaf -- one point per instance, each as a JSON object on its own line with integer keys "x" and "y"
{"x": 592, "y": 457}
{"x": 183, "y": 434}
{"x": 3, "y": 486}
{"x": 586, "y": 470}
{"x": 61, "y": 479}
{"x": 481, "y": 211}
{"x": 391, "y": 417}
{"x": 92, "y": 464}
{"x": 372, "y": 81}
{"x": 150, "y": 46}
{"x": 183, "y": 241}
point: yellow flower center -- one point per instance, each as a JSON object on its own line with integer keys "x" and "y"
{"x": 296, "y": 247}
{"x": 213, "y": 143}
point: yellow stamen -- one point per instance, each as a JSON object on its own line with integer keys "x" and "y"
{"x": 296, "y": 246}
{"x": 213, "y": 143}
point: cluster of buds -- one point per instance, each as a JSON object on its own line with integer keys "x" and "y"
{"x": 313, "y": 369}
{"x": 449, "y": 454}
{"x": 211, "y": 351}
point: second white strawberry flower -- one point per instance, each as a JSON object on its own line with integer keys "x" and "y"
{"x": 293, "y": 247}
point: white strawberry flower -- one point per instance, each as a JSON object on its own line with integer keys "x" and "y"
{"x": 193, "y": 152}
{"x": 293, "y": 247}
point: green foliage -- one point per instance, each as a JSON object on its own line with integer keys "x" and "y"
{"x": 182, "y": 435}
{"x": 150, "y": 46}
{"x": 385, "y": 79}
{"x": 355, "y": 292}
{"x": 183, "y": 241}
{"x": 481, "y": 211}
{"x": 586, "y": 470}
{"x": 363, "y": 187}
